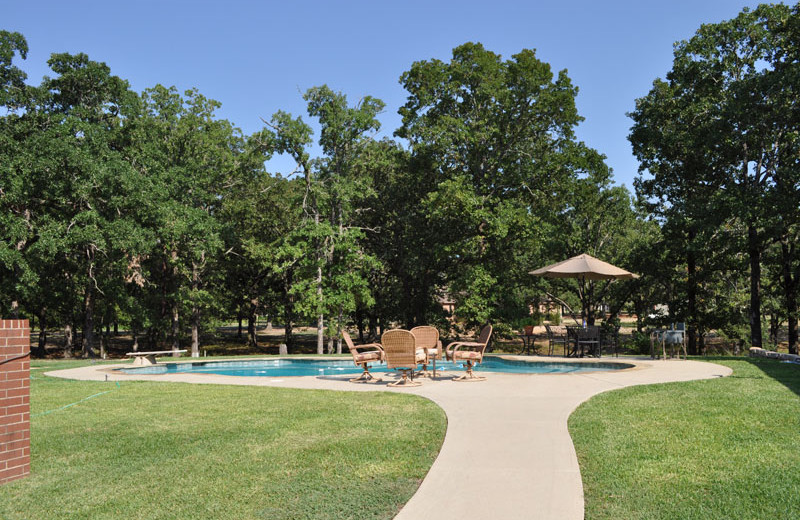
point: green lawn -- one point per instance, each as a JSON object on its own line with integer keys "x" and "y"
{"x": 168, "y": 450}
{"x": 723, "y": 448}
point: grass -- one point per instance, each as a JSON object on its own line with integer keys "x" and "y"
{"x": 724, "y": 448}
{"x": 167, "y": 450}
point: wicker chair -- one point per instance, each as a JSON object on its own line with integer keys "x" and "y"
{"x": 471, "y": 352}
{"x": 363, "y": 359}
{"x": 428, "y": 340}
{"x": 400, "y": 349}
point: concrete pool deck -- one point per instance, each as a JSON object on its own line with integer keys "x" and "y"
{"x": 507, "y": 452}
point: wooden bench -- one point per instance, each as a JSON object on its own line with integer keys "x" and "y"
{"x": 149, "y": 358}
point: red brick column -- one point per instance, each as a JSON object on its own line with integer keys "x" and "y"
{"x": 15, "y": 429}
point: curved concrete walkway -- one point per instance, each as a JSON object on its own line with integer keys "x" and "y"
{"x": 507, "y": 452}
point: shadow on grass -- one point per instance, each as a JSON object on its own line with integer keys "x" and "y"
{"x": 788, "y": 374}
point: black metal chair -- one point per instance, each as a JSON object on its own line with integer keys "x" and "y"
{"x": 589, "y": 340}
{"x": 556, "y": 335}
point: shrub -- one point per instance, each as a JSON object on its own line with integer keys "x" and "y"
{"x": 639, "y": 343}
{"x": 554, "y": 318}
{"x": 502, "y": 331}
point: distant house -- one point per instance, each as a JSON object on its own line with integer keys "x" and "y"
{"x": 448, "y": 303}
{"x": 547, "y": 305}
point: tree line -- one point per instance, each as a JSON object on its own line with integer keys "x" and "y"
{"x": 148, "y": 210}
{"x": 719, "y": 141}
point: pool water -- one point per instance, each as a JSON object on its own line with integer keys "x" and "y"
{"x": 340, "y": 366}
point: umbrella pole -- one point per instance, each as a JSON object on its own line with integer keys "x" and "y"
{"x": 584, "y": 302}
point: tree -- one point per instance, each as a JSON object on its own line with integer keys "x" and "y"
{"x": 15, "y": 226}
{"x": 596, "y": 218}
{"x": 190, "y": 155}
{"x": 258, "y": 212}
{"x": 721, "y": 136}
{"x": 326, "y": 242}
{"x": 491, "y": 140}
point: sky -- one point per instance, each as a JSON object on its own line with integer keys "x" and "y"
{"x": 258, "y": 57}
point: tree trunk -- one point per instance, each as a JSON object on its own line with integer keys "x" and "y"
{"x": 252, "y": 319}
{"x": 691, "y": 297}
{"x": 321, "y": 316}
{"x": 41, "y": 349}
{"x": 88, "y": 322}
{"x": 774, "y": 325}
{"x": 339, "y": 333}
{"x": 373, "y": 326}
{"x": 135, "y": 334}
{"x": 790, "y": 284}
{"x": 288, "y": 309}
{"x": 176, "y": 345}
{"x": 195, "y": 333}
{"x": 754, "y": 253}
{"x": 195, "y": 310}
{"x": 15, "y": 310}
{"x": 68, "y": 341}
{"x": 156, "y": 332}
{"x": 587, "y": 304}
{"x": 360, "y": 323}
{"x": 240, "y": 319}
{"x": 103, "y": 340}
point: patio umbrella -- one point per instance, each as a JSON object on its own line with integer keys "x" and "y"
{"x": 585, "y": 267}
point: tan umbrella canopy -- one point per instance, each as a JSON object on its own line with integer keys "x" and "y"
{"x": 586, "y": 267}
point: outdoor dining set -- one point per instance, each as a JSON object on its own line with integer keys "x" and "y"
{"x": 410, "y": 352}
{"x": 574, "y": 341}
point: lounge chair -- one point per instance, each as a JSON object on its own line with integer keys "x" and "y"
{"x": 471, "y": 352}
{"x": 400, "y": 349}
{"x": 363, "y": 359}
{"x": 428, "y": 340}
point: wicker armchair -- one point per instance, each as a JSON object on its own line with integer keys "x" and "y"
{"x": 471, "y": 352}
{"x": 428, "y": 340}
{"x": 362, "y": 359}
{"x": 400, "y": 349}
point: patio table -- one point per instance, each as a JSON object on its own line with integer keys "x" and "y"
{"x": 528, "y": 343}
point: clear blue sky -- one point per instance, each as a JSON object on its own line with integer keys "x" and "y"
{"x": 257, "y": 57}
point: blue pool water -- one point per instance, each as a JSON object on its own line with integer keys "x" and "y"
{"x": 341, "y": 366}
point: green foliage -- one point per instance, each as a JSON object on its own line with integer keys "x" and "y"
{"x": 490, "y": 139}
{"x": 554, "y": 318}
{"x": 502, "y": 330}
{"x": 714, "y": 138}
{"x": 533, "y": 320}
{"x": 639, "y": 343}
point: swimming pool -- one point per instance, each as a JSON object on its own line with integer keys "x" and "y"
{"x": 285, "y": 367}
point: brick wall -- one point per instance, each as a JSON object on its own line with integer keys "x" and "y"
{"x": 15, "y": 430}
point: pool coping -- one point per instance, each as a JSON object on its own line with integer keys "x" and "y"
{"x": 507, "y": 452}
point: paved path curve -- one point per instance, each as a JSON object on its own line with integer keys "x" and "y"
{"x": 507, "y": 452}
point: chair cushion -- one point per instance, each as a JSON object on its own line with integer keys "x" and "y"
{"x": 367, "y": 356}
{"x": 467, "y": 354}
